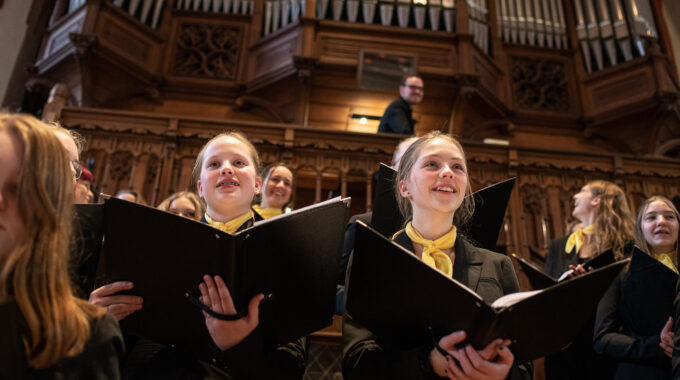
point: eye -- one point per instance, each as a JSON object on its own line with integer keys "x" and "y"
{"x": 212, "y": 164}
{"x": 240, "y": 163}
{"x": 431, "y": 164}
{"x": 459, "y": 167}
{"x": 190, "y": 214}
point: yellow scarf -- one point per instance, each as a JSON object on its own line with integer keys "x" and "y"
{"x": 432, "y": 249}
{"x": 575, "y": 240}
{"x": 668, "y": 259}
{"x": 267, "y": 213}
{"x": 232, "y": 225}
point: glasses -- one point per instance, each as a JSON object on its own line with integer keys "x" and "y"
{"x": 77, "y": 168}
{"x": 413, "y": 88}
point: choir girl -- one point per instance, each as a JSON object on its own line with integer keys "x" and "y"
{"x": 61, "y": 336}
{"x": 432, "y": 182}
{"x": 184, "y": 203}
{"x": 637, "y": 330}
{"x": 277, "y": 190}
{"x": 606, "y": 223}
{"x": 226, "y": 178}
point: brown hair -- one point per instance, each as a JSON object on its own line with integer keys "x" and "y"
{"x": 640, "y": 240}
{"x": 192, "y": 197}
{"x": 409, "y": 159}
{"x": 35, "y": 273}
{"x": 266, "y": 172}
{"x": 198, "y": 165}
{"x": 613, "y": 219}
{"x": 139, "y": 199}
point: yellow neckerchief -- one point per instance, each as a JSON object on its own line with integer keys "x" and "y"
{"x": 575, "y": 240}
{"x": 432, "y": 249}
{"x": 667, "y": 259}
{"x": 267, "y": 213}
{"x": 232, "y": 225}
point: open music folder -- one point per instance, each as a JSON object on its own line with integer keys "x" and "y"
{"x": 398, "y": 297}
{"x": 540, "y": 280}
{"x": 292, "y": 257}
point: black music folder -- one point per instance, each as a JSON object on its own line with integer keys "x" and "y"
{"x": 540, "y": 280}
{"x": 482, "y": 229}
{"x": 13, "y": 361}
{"x": 292, "y": 257}
{"x": 88, "y": 232}
{"x": 398, "y": 297}
{"x": 649, "y": 289}
{"x": 387, "y": 218}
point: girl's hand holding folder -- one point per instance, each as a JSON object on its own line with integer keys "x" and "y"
{"x": 118, "y": 305}
{"x": 227, "y": 334}
{"x": 492, "y": 362}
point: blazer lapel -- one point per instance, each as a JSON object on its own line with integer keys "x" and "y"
{"x": 468, "y": 264}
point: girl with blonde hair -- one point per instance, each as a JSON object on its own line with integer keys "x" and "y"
{"x": 63, "y": 336}
{"x": 183, "y": 203}
{"x": 431, "y": 185}
{"x": 634, "y": 323}
{"x": 606, "y": 223}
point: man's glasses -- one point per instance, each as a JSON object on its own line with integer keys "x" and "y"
{"x": 77, "y": 168}
{"x": 413, "y": 88}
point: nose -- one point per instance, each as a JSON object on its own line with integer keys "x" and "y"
{"x": 226, "y": 168}
{"x": 446, "y": 172}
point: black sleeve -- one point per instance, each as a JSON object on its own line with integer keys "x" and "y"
{"x": 251, "y": 359}
{"x": 363, "y": 357}
{"x": 552, "y": 260}
{"x": 612, "y": 339}
{"x": 397, "y": 120}
{"x": 676, "y": 339}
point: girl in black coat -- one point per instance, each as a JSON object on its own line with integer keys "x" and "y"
{"x": 634, "y": 323}
{"x": 432, "y": 183}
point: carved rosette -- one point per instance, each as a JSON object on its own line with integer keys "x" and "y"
{"x": 539, "y": 84}
{"x": 207, "y": 51}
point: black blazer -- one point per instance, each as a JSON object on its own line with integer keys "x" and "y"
{"x": 558, "y": 260}
{"x": 629, "y": 320}
{"x": 489, "y": 274}
{"x": 397, "y": 118}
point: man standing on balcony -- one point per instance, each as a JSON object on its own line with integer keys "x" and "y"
{"x": 397, "y": 117}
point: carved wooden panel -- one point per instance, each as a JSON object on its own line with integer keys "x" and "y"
{"x": 207, "y": 51}
{"x": 118, "y": 38}
{"x": 539, "y": 84}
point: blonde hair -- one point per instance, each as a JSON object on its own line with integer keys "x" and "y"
{"x": 35, "y": 273}
{"x": 198, "y": 165}
{"x": 192, "y": 197}
{"x": 640, "y": 240}
{"x": 613, "y": 218}
{"x": 408, "y": 160}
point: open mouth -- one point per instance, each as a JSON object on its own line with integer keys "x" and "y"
{"x": 446, "y": 189}
{"x": 227, "y": 183}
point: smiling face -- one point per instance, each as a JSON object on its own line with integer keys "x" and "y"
{"x": 412, "y": 90}
{"x": 660, "y": 227}
{"x": 585, "y": 205}
{"x": 277, "y": 188}
{"x": 11, "y": 226}
{"x": 228, "y": 179}
{"x": 438, "y": 179}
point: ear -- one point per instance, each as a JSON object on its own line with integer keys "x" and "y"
{"x": 403, "y": 190}
{"x": 595, "y": 201}
{"x": 258, "y": 185}
{"x": 199, "y": 189}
